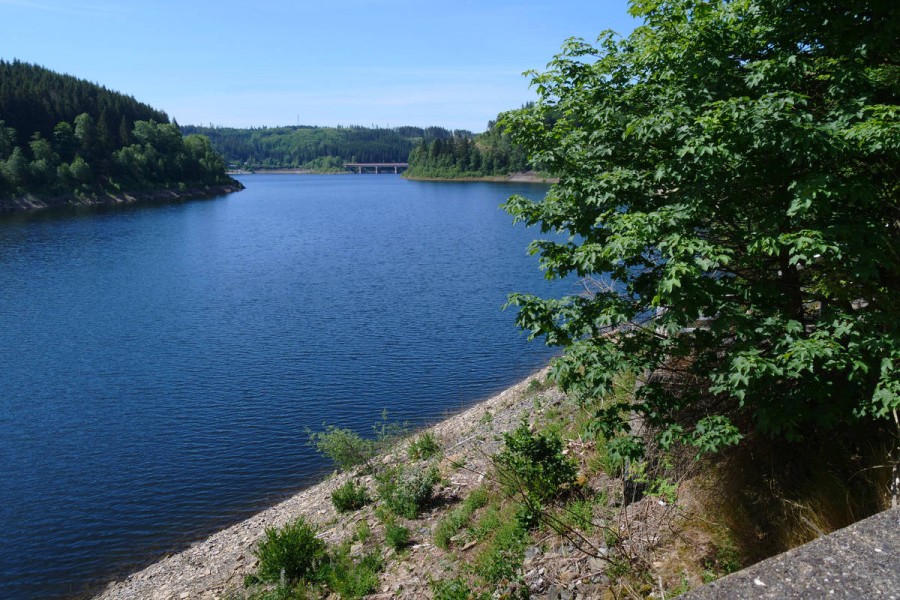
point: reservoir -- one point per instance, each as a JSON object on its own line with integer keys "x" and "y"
{"x": 161, "y": 363}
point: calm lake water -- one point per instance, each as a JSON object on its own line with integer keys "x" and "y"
{"x": 161, "y": 362}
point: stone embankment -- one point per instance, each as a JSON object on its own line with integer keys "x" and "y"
{"x": 31, "y": 203}
{"x": 859, "y": 561}
{"x": 216, "y": 567}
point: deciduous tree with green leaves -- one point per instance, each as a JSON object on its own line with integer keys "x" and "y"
{"x": 729, "y": 174}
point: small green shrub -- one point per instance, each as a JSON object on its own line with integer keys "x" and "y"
{"x": 537, "y": 385}
{"x": 683, "y": 587}
{"x": 530, "y": 513}
{"x": 405, "y": 492}
{"x": 611, "y": 452}
{"x": 383, "y": 514}
{"x": 446, "y": 529}
{"x": 488, "y": 523}
{"x": 502, "y": 558}
{"x": 601, "y": 461}
{"x": 351, "y": 579}
{"x": 344, "y": 447}
{"x": 652, "y": 482}
{"x": 424, "y": 447}
{"x": 554, "y": 423}
{"x": 726, "y": 560}
{"x": 387, "y": 433}
{"x": 294, "y": 549}
{"x": 533, "y": 464}
{"x": 455, "y": 589}
{"x": 619, "y": 567}
{"x": 396, "y": 536}
{"x": 451, "y": 524}
{"x": 282, "y": 591}
{"x": 579, "y": 514}
{"x": 582, "y": 514}
{"x": 611, "y": 537}
{"x": 347, "y": 449}
{"x": 350, "y": 496}
{"x": 478, "y": 498}
{"x": 363, "y": 531}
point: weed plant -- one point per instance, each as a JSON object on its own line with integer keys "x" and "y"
{"x": 455, "y": 589}
{"x": 725, "y": 561}
{"x": 349, "y": 578}
{"x": 423, "y": 447}
{"x": 363, "y": 532}
{"x": 396, "y": 536}
{"x": 350, "y": 496}
{"x": 488, "y": 523}
{"x": 302, "y": 565}
{"x": 348, "y": 449}
{"x": 533, "y": 463}
{"x": 452, "y": 523}
{"x": 537, "y": 385}
{"x": 579, "y": 514}
{"x": 501, "y": 559}
{"x": 282, "y": 591}
{"x": 406, "y": 492}
{"x": 387, "y": 432}
{"x": 344, "y": 447}
{"x": 531, "y": 466}
{"x": 293, "y": 550}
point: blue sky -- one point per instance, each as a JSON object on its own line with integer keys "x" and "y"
{"x": 349, "y": 62}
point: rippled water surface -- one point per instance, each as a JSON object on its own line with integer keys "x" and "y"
{"x": 160, "y": 363}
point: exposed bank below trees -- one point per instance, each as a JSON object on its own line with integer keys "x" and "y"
{"x": 30, "y": 202}
{"x": 518, "y": 177}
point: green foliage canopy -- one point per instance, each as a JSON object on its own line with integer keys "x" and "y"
{"x": 534, "y": 464}
{"x": 729, "y": 174}
{"x": 317, "y": 148}
{"x": 36, "y": 99}
{"x": 463, "y": 155}
{"x": 60, "y": 136}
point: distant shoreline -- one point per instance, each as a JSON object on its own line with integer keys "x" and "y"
{"x": 32, "y": 203}
{"x": 521, "y": 177}
{"x": 286, "y": 171}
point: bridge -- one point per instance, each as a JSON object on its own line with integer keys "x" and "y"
{"x": 373, "y": 167}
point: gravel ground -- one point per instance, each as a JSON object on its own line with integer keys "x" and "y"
{"x": 216, "y": 567}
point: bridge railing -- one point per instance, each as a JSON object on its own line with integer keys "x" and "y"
{"x": 360, "y": 168}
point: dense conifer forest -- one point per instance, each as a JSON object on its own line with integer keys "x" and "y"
{"x": 318, "y": 148}
{"x": 60, "y": 135}
{"x": 431, "y": 151}
{"x": 491, "y": 153}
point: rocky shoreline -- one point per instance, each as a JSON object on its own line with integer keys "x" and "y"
{"x": 216, "y": 567}
{"x": 32, "y": 203}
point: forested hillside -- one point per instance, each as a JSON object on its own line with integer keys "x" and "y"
{"x": 487, "y": 154}
{"x": 317, "y": 148}
{"x": 60, "y": 135}
{"x": 431, "y": 151}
